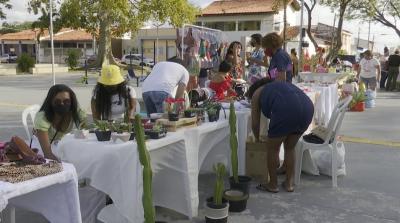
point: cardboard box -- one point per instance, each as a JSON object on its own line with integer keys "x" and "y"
{"x": 256, "y": 161}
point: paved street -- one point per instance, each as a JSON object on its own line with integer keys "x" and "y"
{"x": 369, "y": 193}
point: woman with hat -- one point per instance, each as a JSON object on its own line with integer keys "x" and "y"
{"x": 112, "y": 97}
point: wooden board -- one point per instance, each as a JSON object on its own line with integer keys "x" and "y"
{"x": 174, "y": 126}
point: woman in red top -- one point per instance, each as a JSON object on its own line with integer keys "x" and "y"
{"x": 221, "y": 82}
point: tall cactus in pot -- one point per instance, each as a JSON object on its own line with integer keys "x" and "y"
{"x": 233, "y": 142}
{"x": 144, "y": 157}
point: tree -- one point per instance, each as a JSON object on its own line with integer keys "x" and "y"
{"x": 110, "y": 18}
{"x": 342, "y": 6}
{"x": 277, "y": 5}
{"x": 386, "y": 12}
{"x": 14, "y": 27}
{"x": 5, "y": 4}
{"x": 310, "y": 5}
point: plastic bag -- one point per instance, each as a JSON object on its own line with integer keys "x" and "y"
{"x": 323, "y": 159}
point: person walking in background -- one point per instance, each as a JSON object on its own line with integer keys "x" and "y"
{"x": 393, "y": 72}
{"x": 233, "y": 57}
{"x": 280, "y": 67}
{"x": 384, "y": 67}
{"x": 162, "y": 81}
{"x": 256, "y": 59}
{"x": 369, "y": 70}
{"x": 295, "y": 62}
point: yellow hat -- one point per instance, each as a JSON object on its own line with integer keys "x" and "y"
{"x": 110, "y": 75}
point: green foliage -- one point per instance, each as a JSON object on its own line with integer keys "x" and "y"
{"x": 83, "y": 125}
{"x": 14, "y": 27}
{"x": 24, "y": 62}
{"x": 233, "y": 142}
{"x": 120, "y": 127}
{"x": 5, "y": 4}
{"x": 342, "y": 52}
{"x": 102, "y": 125}
{"x": 158, "y": 127}
{"x": 144, "y": 157}
{"x": 72, "y": 58}
{"x": 219, "y": 187}
{"x": 358, "y": 96}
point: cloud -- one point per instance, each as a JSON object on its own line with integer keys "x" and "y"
{"x": 19, "y": 12}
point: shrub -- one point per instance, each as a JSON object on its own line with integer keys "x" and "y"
{"x": 72, "y": 58}
{"x": 24, "y": 62}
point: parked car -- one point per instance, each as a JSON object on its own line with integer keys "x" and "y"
{"x": 137, "y": 60}
{"x": 12, "y": 58}
{"x": 4, "y": 58}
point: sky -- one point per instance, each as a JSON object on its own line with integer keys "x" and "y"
{"x": 383, "y": 36}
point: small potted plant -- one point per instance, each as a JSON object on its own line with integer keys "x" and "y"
{"x": 190, "y": 113}
{"x": 216, "y": 210}
{"x": 174, "y": 107}
{"x": 358, "y": 101}
{"x": 157, "y": 132}
{"x": 212, "y": 114}
{"x": 241, "y": 183}
{"x": 82, "y": 132}
{"x": 121, "y": 131}
{"x": 103, "y": 132}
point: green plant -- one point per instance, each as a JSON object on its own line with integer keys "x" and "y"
{"x": 233, "y": 142}
{"x": 83, "y": 125}
{"x": 220, "y": 172}
{"x": 120, "y": 127}
{"x": 72, "y": 58}
{"x": 102, "y": 125}
{"x": 358, "y": 96}
{"x": 144, "y": 157}
{"x": 157, "y": 127}
{"x": 212, "y": 111}
{"x": 25, "y": 62}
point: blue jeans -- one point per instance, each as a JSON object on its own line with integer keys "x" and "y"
{"x": 154, "y": 101}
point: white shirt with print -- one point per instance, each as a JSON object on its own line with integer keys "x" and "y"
{"x": 368, "y": 67}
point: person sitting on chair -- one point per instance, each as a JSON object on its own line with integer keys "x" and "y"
{"x": 112, "y": 97}
{"x": 221, "y": 82}
{"x": 290, "y": 112}
{"x": 59, "y": 114}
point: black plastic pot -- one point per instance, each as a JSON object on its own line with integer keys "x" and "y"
{"x": 242, "y": 185}
{"x": 189, "y": 114}
{"x": 103, "y": 135}
{"x": 216, "y": 213}
{"x": 237, "y": 200}
{"x": 156, "y": 134}
{"x": 173, "y": 117}
{"x": 132, "y": 136}
{"x": 213, "y": 118}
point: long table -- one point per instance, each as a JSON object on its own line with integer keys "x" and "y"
{"x": 54, "y": 196}
{"x": 114, "y": 168}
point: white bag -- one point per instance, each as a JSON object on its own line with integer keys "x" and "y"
{"x": 323, "y": 159}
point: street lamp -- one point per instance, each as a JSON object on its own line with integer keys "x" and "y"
{"x": 52, "y": 42}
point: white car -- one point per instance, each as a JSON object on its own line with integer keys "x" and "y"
{"x": 137, "y": 60}
{"x": 4, "y": 58}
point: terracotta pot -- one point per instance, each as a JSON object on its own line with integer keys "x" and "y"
{"x": 359, "y": 107}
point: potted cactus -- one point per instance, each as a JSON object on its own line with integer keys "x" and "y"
{"x": 241, "y": 183}
{"x": 190, "y": 113}
{"x": 82, "y": 132}
{"x": 120, "y": 131}
{"x": 102, "y": 131}
{"x": 144, "y": 157}
{"x": 217, "y": 207}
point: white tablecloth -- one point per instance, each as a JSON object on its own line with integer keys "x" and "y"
{"x": 54, "y": 196}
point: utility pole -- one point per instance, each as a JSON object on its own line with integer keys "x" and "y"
{"x": 52, "y": 42}
{"x": 369, "y": 31}
{"x": 373, "y": 43}
{"x": 300, "y": 51}
{"x": 358, "y": 39}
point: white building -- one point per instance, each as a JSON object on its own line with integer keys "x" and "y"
{"x": 241, "y": 18}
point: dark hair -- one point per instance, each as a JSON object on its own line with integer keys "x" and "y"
{"x": 293, "y": 51}
{"x": 177, "y": 60}
{"x": 47, "y": 106}
{"x": 103, "y": 94}
{"x": 257, "y": 38}
{"x": 256, "y": 85}
{"x": 225, "y": 66}
{"x": 229, "y": 51}
{"x": 367, "y": 53}
{"x": 272, "y": 41}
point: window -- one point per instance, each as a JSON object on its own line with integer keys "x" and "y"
{"x": 69, "y": 45}
{"x": 249, "y": 25}
{"x": 223, "y": 26}
{"x": 81, "y": 45}
{"x": 88, "y": 45}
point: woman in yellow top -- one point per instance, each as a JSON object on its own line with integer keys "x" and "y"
{"x": 59, "y": 114}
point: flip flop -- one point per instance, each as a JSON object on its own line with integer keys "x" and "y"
{"x": 264, "y": 187}
{"x": 286, "y": 187}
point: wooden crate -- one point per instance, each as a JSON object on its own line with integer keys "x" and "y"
{"x": 173, "y": 126}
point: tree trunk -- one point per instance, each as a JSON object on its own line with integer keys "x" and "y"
{"x": 338, "y": 43}
{"x": 309, "y": 18}
{"x": 105, "y": 55}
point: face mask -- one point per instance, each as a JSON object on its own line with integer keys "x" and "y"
{"x": 61, "y": 108}
{"x": 268, "y": 52}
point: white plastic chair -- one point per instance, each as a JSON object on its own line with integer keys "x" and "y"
{"x": 330, "y": 142}
{"x": 29, "y": 111}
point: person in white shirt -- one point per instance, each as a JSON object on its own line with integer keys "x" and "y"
{"x": 369, "y": 71}
{"x": 112, "y": 97}
{"x": 162, "y": 81}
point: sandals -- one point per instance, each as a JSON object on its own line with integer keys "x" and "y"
{"x": 287, "y": 188}
{"x": 265, "y": 187}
